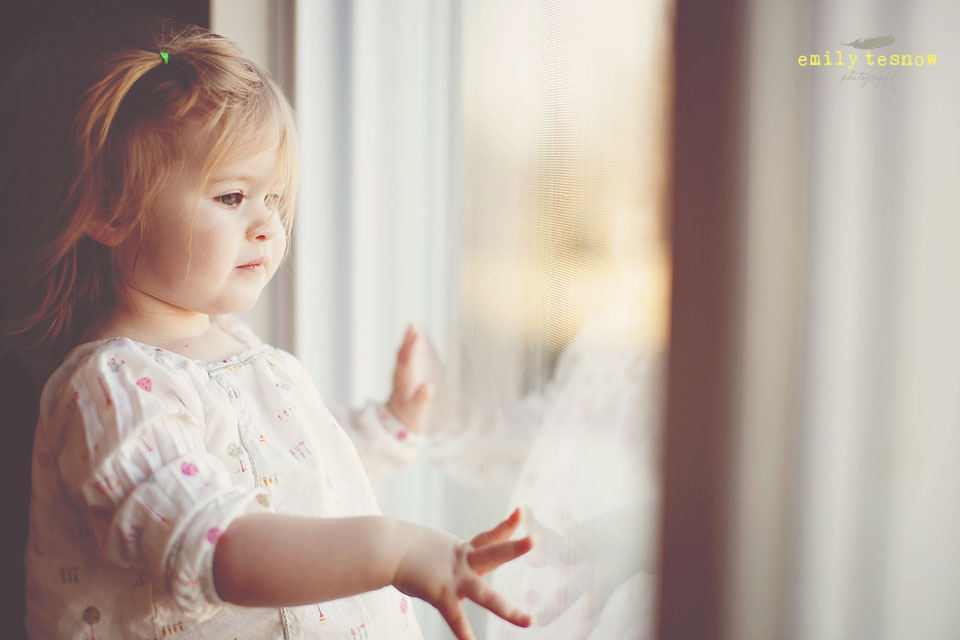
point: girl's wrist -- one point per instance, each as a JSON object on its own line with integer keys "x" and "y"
{"x": 404, "y": 538}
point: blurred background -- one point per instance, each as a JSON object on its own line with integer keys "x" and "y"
{"x": 694, "y": 305}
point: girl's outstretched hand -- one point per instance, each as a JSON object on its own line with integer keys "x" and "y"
{"x": 410, "y": 398}
{"x": 442, "y": 569}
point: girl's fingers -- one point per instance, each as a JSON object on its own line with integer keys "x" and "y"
{"x": 488, "y": 558}
{"x": 501, "y": 532}
{"x": 456, "y": 619}
{"x": 403, "y": 355}
{"x": 485, "y": 596}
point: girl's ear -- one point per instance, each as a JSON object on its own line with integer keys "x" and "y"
{"x": 107, "y": 235}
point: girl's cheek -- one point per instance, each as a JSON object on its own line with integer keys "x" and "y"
{"x": 280, "y": 244}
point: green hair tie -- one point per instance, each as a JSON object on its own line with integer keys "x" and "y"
{"x": 165, "y": 56}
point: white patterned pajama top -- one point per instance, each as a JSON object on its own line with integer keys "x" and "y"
{"x": 143, "y": 457}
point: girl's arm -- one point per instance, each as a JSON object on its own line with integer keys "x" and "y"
{"x": 268, "y": 559}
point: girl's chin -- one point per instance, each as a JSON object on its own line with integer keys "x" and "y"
{"x": 245, "y": 303}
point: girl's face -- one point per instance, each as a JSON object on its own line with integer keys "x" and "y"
{"x": 236, "y": 225}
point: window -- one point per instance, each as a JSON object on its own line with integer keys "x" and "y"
{"x": 562, "y": 298}
{"x": 497, "y": 172}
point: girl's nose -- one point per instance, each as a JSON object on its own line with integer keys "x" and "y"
{"x": 266, "y": 225}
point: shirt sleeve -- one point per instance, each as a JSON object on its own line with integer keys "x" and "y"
{"x": 384, "y": 443}
{"x": 133, "y": 458}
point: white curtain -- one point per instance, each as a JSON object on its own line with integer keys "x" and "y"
{"x": 845, "y": 515}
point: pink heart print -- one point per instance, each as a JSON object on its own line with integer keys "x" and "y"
{"x": 145, "y": 384}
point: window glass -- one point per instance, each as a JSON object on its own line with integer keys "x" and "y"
{"x": 563, "y": 298}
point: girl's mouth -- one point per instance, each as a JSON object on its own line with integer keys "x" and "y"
{"x": 257, "y": 266}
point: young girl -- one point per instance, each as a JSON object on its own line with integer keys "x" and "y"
{"x": 188, "y": 481}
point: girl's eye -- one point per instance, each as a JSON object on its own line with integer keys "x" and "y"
{"x": 231, "y": 200}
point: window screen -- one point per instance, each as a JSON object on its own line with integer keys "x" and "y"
{"x": 562, "y": 301}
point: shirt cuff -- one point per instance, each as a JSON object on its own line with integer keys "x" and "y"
{"x": 399, "y": 432}
{"x": 385, "y": 444}
{"x": 203, "y": 535}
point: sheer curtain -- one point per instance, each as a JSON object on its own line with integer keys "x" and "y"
{"x": 844, "y": 520}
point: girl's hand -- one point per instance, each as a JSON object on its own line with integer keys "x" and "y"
{"x": 442, "y": 569}
{"x": 410, "y": 398}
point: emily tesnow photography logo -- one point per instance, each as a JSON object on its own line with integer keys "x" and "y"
{"x": 862, "y": 67}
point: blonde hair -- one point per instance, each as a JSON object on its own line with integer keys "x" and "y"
{"x": 96, "y": 130}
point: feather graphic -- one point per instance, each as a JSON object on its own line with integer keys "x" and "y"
{"x": 876, "y": 42}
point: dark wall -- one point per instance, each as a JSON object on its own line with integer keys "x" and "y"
{"x": 27, "y": 26}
